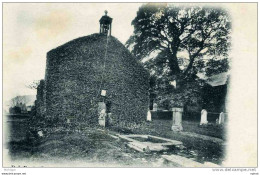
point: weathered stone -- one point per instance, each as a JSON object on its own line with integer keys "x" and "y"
{"x": 180, "y": 161}
{"x": 149, "y": 115}
{"x": 102, "y": 118}
{"x": 221, "y": 119}
{"x": 102, "y": 114}
{"x": 75, "y": 75}
{"x": 203, "y": 119}
{"x": 109, "y": 119}
{"x": 147, "y": 146}
{"x": 40, "y": 133}
{"x": 155, "y": 107}
{"x": 177, "y": 119}
{"x": 40, "y": 100}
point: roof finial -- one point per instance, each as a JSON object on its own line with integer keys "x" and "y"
{"x": 105, "y": 24}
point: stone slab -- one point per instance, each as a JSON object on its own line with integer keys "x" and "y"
{"x": 130, "y": 138}
{"x": 180, "y": 161}
{"x": 148, "y": 146}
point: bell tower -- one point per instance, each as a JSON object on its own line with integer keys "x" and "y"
{"x": 105, "y": 24}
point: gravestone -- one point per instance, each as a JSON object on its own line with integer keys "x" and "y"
{"x": 149, "y": 115}
{"x": 102, "y": 114}
{"x": 203, "y": 119}
{"x": 154, "y": 112}
{"x": 217, "y": 122}
{"x": 40, "y": 133}
{"x": 109, "y": 119}
{"x": 221, "y": 119}
{"x": 155, "y": 106}
{"x": 177, "y": 119}
{"x": 103, "y": 93}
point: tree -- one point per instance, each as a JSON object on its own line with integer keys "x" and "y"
{"x": 17, "y": 100}
{"x": 15, "y": 110}
{"x": 214, "y": 66}
{"x": 34, "y": 84}
{"x": 162, "y": 32}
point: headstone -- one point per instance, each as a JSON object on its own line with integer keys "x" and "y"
{"x": 177, "y": 119}
{"x": 154, "y": 112}
{"x": 103, "y": 93}
{"x": 40, "y": 133}
{"x": 109, "y": 119}
{"x": 102, "y": 118}
{"x": 102, "y": 113}
{"x": 149, "y": 115}
{"x": 217, "y": 122}
{"x": 203, "y": 119}
{"x": 221, "y": 119}
{"x": 155, "y": 106}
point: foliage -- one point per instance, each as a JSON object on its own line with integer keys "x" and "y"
{"x": 77, "y": 72}
{"x": 214, "y": 66}
{"x": 189, "y": 94}
{"x": 33, "y": 111}
{"x": 15, "y": 110}
{"x": 169, "y": 30}
{"x": 25, "y": 99}
{"x": 17, "y": 100}
{"x": 177, "y": 42}
{"x": 34, "y": 84}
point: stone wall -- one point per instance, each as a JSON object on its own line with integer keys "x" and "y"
{"x": 75, "y": 76}
{"x": 40, "y": 100}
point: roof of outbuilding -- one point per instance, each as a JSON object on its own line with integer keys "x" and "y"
{"x": 218, "y": 80}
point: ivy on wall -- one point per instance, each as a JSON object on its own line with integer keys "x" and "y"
{"x": 75, "y": 76}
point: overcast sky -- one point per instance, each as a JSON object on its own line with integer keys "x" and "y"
{"x": 31, "y": 30}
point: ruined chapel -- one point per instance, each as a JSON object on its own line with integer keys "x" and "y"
{"x": 78, "y": 72}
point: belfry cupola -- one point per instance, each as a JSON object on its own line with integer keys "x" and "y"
{"x": 105, "y": 24}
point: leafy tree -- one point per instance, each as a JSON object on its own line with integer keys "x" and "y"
{"x": 34, "y": 84}
{"x": 216, "y": 66}
{"x": 17, "y": 100}
{"x": 15, "y": 110}
{"x": 177, "y": 42}
{"x": 161, "y": 32}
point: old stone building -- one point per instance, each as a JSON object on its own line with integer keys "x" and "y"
{"x": 40, "y": 100}
{"x": 79, "y": 70}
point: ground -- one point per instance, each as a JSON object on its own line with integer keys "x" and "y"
{"x": 206, "y": 142}
{"x": 94, "y": 146}
{"x": 91, "y": 146}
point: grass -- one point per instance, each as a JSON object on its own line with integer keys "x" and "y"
{"x": 206, "y": 150}
{"x": 95, "y": 146}
{"x": 90, "y": 146}
{"x": 213, "y": 130}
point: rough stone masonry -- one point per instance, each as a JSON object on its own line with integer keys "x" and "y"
{"x": 77, "y": 71}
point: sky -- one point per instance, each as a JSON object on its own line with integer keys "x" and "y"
{"x": 30, "y": 30}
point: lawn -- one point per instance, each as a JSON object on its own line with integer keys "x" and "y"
{"x": 206, "y": 141}
{"x": 93, "y": 147}
{"x": 89, "y": 148}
